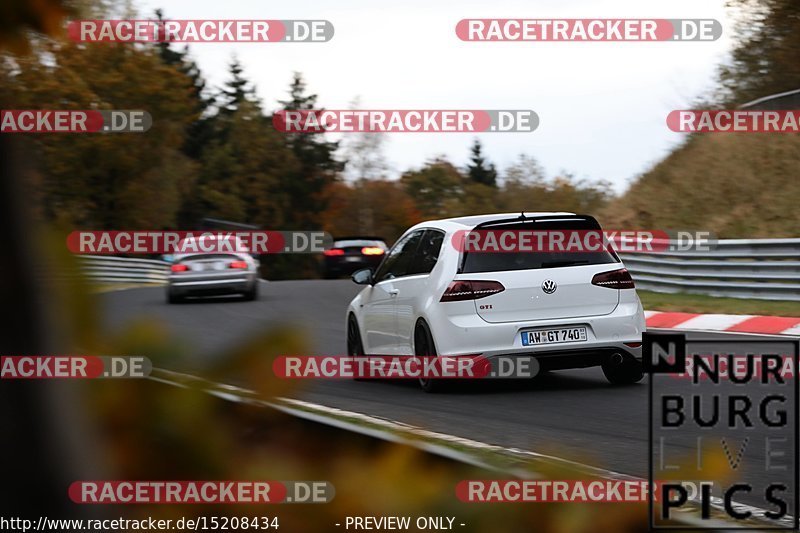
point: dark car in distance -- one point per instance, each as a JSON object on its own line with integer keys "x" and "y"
{"x": 349, "y": 254}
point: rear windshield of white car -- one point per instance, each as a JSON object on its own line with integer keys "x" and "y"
{"x": 490, "y": 261}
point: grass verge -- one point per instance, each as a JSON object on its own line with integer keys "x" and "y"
{"x": 700, "y": 303}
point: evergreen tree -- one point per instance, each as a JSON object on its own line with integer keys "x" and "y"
{"x": 237, "y": 89}
{"x": 246, "y": 160}
{"x": 200, "y": 131}
{"x": 479, "y": 171}
{"x": 318, "y": 167}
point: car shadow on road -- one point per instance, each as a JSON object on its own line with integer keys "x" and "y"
{"x": 220, "y": 299}
{"x": 548, "y": 382}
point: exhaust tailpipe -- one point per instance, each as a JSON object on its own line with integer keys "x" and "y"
{"x": 616, "y": 359}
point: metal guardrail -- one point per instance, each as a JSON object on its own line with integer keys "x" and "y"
{"x": 111, "y": 269}
{"x": 782, "y": 101}
{"x": 767, "y": 269}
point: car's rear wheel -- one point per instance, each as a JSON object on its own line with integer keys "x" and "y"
{"x": 252, "y": 293}
{"x": 354, "y": 346}
{"x": 424, "y": 346}
{"x": 173, "y": 298}
{"x": 626, "y": 372}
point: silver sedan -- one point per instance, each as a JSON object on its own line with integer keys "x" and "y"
{"x": 207, "y": 274}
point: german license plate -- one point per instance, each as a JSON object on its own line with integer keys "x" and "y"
{"x": 553, "y": 336}
{"x": 216, "y": 265}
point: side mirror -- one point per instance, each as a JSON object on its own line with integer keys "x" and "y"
{"x": 362, "y": 277}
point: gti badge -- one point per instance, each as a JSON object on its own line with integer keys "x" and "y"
{"x": 549, "y": 286}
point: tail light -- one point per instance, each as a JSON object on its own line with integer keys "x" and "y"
{"x": 333, "y": 252}
{"x": 238, "y": 264}
{"x": 372, "y": 250}
{"x": 615, "y": 279}
{"x": 460, "y": 290}
{"x": 179, "y": 268}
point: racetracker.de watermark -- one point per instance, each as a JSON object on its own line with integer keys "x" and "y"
{"x": 200, "y": 31}
{"x": 194, "y": 242}
{"x": 405, "y": 367}
{"x": 406, "y": 120}
{"x": 590, "y": 30}
{"x": 72, "y": 121}
{"x": 200, "y": 492}
{"x": 74, "y": 367}
{"x": 734, "y": 121}
{"x": 552, "y": 490}
{"x": 580, "y": 241}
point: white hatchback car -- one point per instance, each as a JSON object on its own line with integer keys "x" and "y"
{"x": 566, "y": 309}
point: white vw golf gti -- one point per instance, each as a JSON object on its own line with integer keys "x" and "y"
{"x": 567, "y": 309}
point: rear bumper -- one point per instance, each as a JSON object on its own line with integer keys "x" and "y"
{"x": 606, "y": 335}
{"x": 566, "y": 359}
{"x": 211, "y": 283}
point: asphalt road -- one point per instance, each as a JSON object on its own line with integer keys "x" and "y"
{"x": 570, "y": 414}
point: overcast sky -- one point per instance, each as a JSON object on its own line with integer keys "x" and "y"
{"x": 602, "y": 105}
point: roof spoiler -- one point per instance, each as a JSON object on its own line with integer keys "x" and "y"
{"x": 523, "y": 219}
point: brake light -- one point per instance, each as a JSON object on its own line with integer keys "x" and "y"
{"x": 372, "y": 250}
{"x": 238, "y": 264}
{"x": 615, "y": 279}
{"x": 333, "y": 252}
{"x": 179, "y": 268}
{"x": 460, "y": 290}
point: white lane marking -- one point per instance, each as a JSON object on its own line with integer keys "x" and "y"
{"x": 716, "y": 322}
{"x": 794, "y": 330}
{"x": 168, "y": 382}
{"x": 756, "y": 512}
{"x": 226, "y": 396}
{"x": 713, "y": 322}
{"x": 725, "y": 333}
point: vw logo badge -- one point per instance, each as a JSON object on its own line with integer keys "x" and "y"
{"x": 549, "y": 286}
